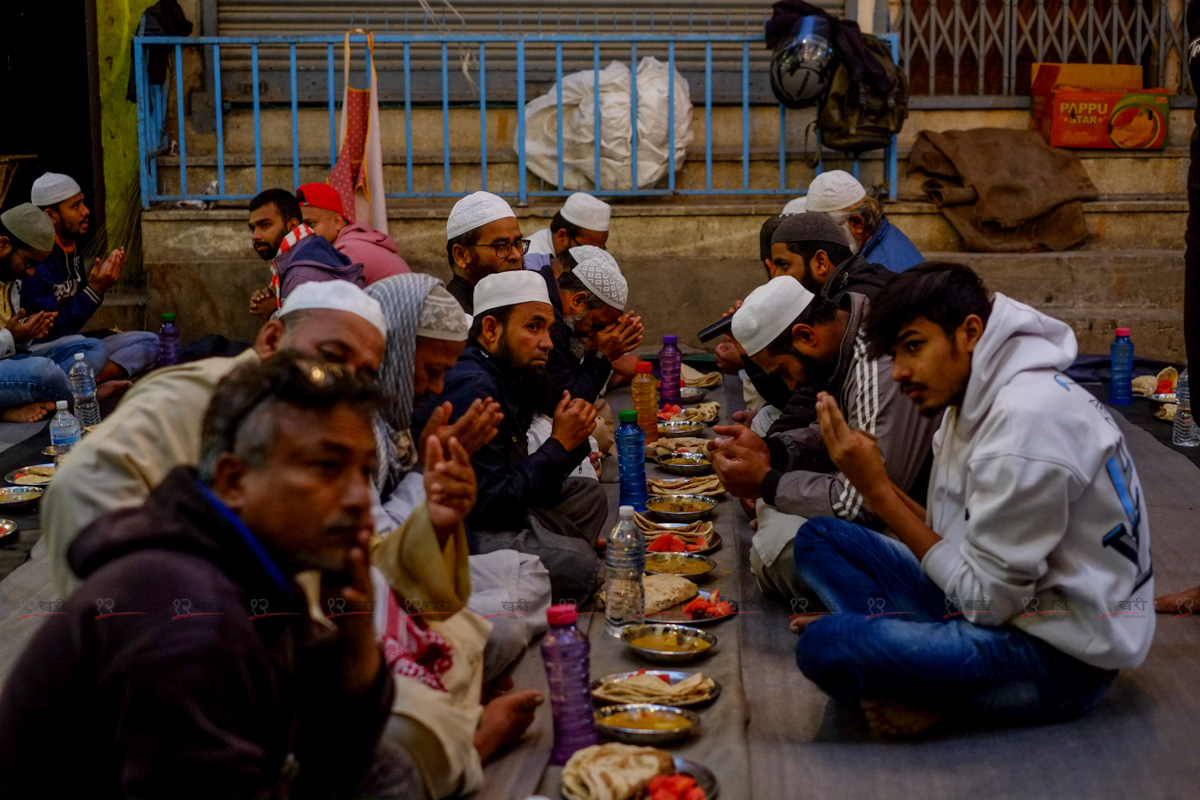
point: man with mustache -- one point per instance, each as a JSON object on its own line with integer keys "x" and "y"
{"x": 483, "y": 237}
{"x": 186, "y": 663}
{"x": 867, "y": 229}
{"x": 63, "y": 285}
{"x": 526, "y": 502}
{"x": 1021, "y": 586}
{"x": 806, "y": 339}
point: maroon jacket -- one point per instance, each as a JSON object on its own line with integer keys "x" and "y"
{"x": 155, "y": 682}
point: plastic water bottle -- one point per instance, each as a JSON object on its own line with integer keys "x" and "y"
{"x": 1120, "y": 392}
{"x": 1183, "y": 432}
{"x": 83, "y": 386}
{"x": 168, "y": 341}
{"x": 669, "y": 362}
{"x": 625, "y": 562}
{"x": 64, "y": 431}
{"x": 565, "y": 651}
{"x": 645, "y": 400}
{"x": 631, "y": 460}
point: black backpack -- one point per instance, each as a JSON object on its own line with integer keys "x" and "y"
{"x": 855, "y": 117}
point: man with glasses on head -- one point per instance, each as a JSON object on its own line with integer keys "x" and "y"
{"x": 29, "y": 384}
{"x": 157, "y": 425}
{"x": 482, "y": 238}
{"x": 186, "y": 664}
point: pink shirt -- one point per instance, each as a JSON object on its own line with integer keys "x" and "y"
{"x": 374, "y": 250}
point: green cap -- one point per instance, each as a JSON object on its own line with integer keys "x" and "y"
{"x": 627, "y": 416}
{"x": 169, "y": 316}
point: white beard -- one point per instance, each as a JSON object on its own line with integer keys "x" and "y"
{"x": 851, "y": 242}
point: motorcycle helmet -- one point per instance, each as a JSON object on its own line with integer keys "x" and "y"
{"x": 803, "y": 62}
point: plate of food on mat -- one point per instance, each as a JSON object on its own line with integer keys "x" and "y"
{"x": 680, "y": 507}
{"x": 685, "y": 463}
{"x": 705, "y": 413}
{"x": 617, "y": 771}
{"x": 1160, "y": 388}
{"x": 662, "y": 643}
{"x": 706, "y": 486}
{"x": 660, "y": 686}
{"x": 35, "y": 475}
{"x": 706, "y": 608}
{"x": 692, "y": 566}
{"x": 661, "y": 592}
{"x": 693, "y": 377}
{"x": 669, "y": 446}
{"x": 646, "y": 723}
{"x": 678, "y": 537}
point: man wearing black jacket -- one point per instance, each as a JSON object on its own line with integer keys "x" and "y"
{"x": 525, "y": 500}
{"x": 186, "y": 665}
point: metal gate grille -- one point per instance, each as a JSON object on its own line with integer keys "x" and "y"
{"x": 978, "y": 48}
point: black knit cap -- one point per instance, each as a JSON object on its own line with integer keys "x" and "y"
{"x": 809, "y": 227}
{"x": 764, "y": 235}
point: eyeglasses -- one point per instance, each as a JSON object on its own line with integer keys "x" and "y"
{"x": 503, "y": 249}
{"x": 320, "y": 374}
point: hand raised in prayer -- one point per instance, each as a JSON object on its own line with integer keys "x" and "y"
{"x": 263, "y": 303}
{"x": 474, "y": 429}
{"x": 622, "y": 337}
{"x": 28, "y": 329}
{"x": 574, "y": 421}
{"x": 741, "y": 462}
{"x": 104, "y": 275}
{"x": 855, "y": 453}
{"x": 449, "y": 485}
{"x": 361, "y": 659}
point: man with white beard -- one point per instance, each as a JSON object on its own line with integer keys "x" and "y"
{"x": 869, "y": 233}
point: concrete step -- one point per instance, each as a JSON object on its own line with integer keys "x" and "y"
{"x": 1114, "y": 172}
{"x": 122, "y": 310}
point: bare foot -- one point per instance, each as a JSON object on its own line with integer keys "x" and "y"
{"x": 802, "y": 621}
{"x": 889, "y": 718}
{"x": 28, "y": 413}
{"x": 112, "y": 389}
{"x": 1180, "y": 603}
{"x": 505, "y": 721}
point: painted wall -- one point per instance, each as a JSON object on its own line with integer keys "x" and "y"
{"x": 116, "y": 23}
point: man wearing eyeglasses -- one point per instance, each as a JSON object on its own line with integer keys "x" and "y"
{"x": 29, "y": 384}
{"x": 482, "y": 238}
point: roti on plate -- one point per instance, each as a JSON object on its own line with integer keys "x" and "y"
{"x": 613, "y": 771}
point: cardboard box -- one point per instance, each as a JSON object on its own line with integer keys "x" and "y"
{"x": 1101, "y": 106}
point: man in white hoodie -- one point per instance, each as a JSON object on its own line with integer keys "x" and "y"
{"x": 1025, "y": 583}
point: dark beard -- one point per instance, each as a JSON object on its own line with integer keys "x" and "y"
{"x": 528, "y": 386}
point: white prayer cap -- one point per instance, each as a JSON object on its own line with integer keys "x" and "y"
{"x": 508, "y": 289}
{"x": 587, "y": 212}
{"x": 598, "y": 271}
{"x": 833, "y": 191}
{"x": 31, "y": 225}
{"x": 441, "y": 317}
{"x": 335, "y": 296}
{"x": 769, "y": 311}
{"x": 53, "y": 187}
{"x": 797, "y": 206}
{"x": 474, "y": 211}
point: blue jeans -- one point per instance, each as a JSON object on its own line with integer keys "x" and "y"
{"x": 62, "y": 352}
{"x": 890, "y": 638}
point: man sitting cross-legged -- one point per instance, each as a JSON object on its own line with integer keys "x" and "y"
{"x": 526, "y": 501}
{"x": 806, "y": 339}
{"x": 1025, "y": 583}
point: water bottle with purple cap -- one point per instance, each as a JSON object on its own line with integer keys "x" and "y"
{"x": 565, "y": 650}
{"x": 669, "y": 362}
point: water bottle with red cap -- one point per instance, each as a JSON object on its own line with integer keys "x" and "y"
{"x": 565, "y": 650}
{"x": 1120, "y": 391}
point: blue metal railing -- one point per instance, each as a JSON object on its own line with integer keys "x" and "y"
{"x": 154, "y": 142}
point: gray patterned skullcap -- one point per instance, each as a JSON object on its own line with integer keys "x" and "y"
{"x": 598, "y": 271}
{"x": 441, "y": 317}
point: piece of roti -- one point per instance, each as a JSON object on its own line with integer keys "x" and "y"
{"x": 1168, "y": 374}
{"x": 613, "y": 771}
{"x": 33, "y": 480}
{"x": 662, "y": 592}
{"x": 1145, "y": 385}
